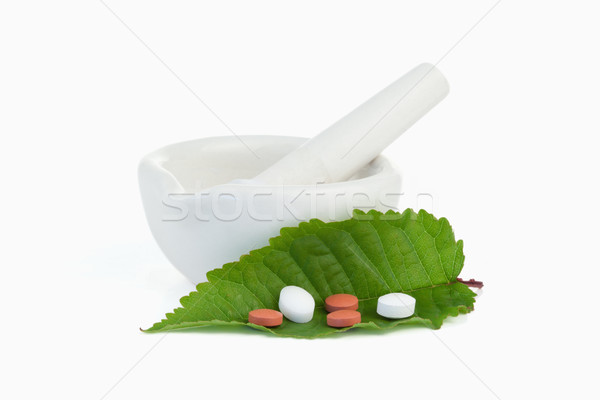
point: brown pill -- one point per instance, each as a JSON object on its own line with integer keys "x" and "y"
{"x": 265, "y": 317}
{"x": 341, "y": 301}
{"x": 343, "y": 318}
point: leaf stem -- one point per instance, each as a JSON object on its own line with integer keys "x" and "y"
{"x": 471, "y": 283}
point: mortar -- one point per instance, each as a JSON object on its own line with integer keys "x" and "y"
{"x": 189, "y": 202}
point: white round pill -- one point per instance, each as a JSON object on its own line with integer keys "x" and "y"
{"x": 396, "y": 305}
{"x": 296, "y": 304}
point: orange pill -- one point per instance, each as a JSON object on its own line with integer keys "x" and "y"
{"x": 341, "y": 301}
{"x": 265, "y": 317}
{"x": 343, "y": 318}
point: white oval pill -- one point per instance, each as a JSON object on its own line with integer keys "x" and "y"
{"x": 296, "y": 304}
{"x": 396, "y": 305}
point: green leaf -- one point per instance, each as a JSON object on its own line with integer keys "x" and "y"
{"x": 369, "y": 255}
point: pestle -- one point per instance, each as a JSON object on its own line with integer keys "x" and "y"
{"x": 355, "y": 140}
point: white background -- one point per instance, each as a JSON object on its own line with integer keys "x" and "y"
{"x": 510, "y": 158}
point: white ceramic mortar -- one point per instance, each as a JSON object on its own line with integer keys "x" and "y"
{"x": 202, "y": 221}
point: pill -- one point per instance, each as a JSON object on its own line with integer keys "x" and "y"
{"x": 396, "y": 305}
{"x": 343, "y": 318}
{"x": 341, "y": 301}
{"x": 296, "y": 304}
{"x": 265, "y": 317}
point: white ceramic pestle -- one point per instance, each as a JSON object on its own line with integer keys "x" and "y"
{"x": 355, "y": 140}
